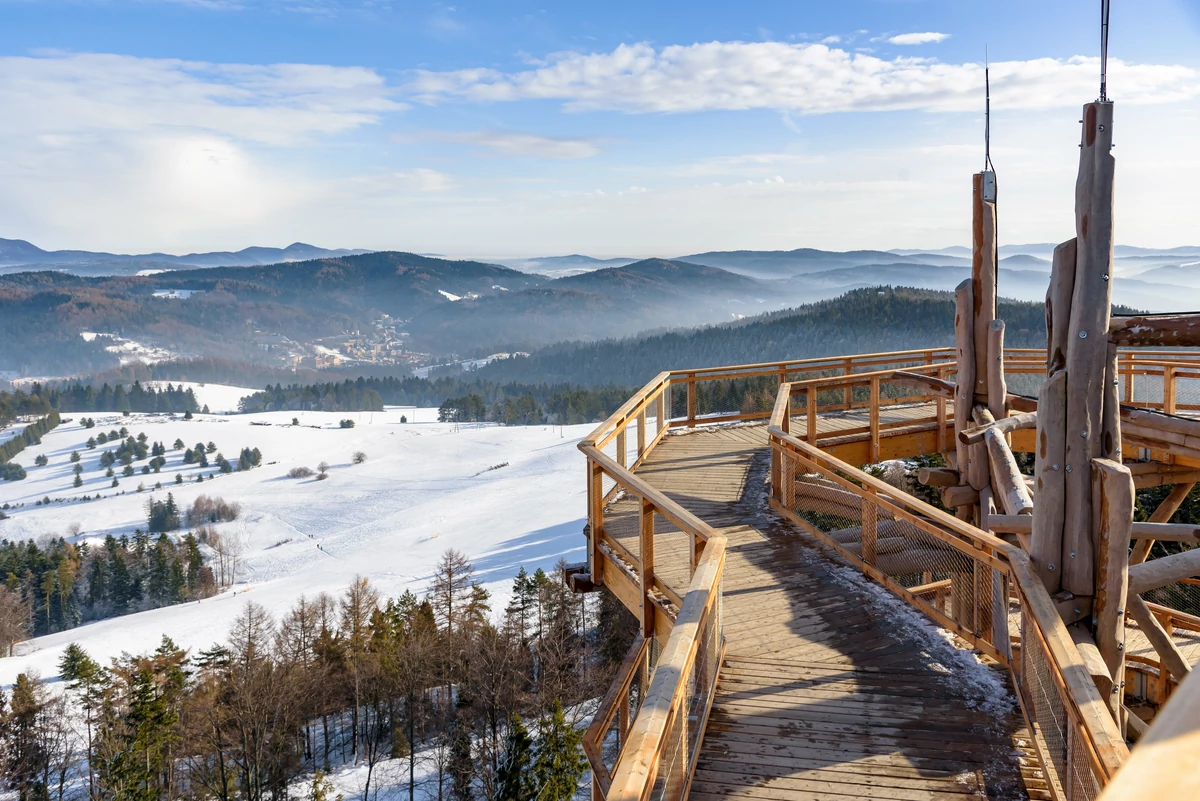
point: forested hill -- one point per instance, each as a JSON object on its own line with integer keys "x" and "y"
{"x": 862, "y": 321}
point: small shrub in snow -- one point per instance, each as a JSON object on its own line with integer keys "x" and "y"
{"x": 40, "y": 460}
{"x": 359, "y": 457}
{"x": 346, "y": 424}
{"x": 300, "y": 472}
{"x": 212, "y": 510}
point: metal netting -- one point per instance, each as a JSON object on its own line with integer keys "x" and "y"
{"x": 687, "y": 723}
{"x": 1187, "y": 392}
{"x": 1082, "y": 783}
{"x": 1047, "y": 717}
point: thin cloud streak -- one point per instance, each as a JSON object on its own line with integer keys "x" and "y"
{"x": 806, "y": 78}
{"x": 516, "y": 144}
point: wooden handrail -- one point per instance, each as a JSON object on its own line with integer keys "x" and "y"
{"x": 638, "y": 767}
{"x": 616, "y": 699}
{"x": 1105, "y": 742}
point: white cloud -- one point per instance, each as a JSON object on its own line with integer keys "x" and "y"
{"x": 82, "y": 93}
{"x": 918, "y": 38}
{"x": 519, "y": 143}
{"x": 835, "y": 39}
{"x": 809, "y": 78}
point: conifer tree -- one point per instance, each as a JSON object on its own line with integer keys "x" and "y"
{"x": 515, "y": 779}
{"x": 560, "y": 762}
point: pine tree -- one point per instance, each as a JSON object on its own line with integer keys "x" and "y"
{"x": 78, "y": 481}
{"x": 25, "y": 759}
{"x": 560, "y": 762}
{"x": 74, "y": 456}
{"x": 461, "y": 768}
{"x": 515, "y": 780}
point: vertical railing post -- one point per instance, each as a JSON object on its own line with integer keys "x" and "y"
{"x": 874, "y": 412}
{"x": 810, "y": 413}
{"x": 641, "y": 433}
{"x": 596, "y": 520}
{"x": 940, "y": 400}
{"x": 870, "y": 528}
{"x": 621, "y": 452}
{"x": 1169, "y": 389}
{"x": 646, "y": 567}
{"x": 1129, "y": 370}
{"x": 848, "y": 391}
{"x": 776, "y": 472}
{"x": 788, "y": 481}
{"x": 691, "y": 400}
{"x": 660, "y": 405}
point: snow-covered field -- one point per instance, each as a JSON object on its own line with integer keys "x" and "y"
{"x": 425, "y": 487}
{"x": 219, "y": 398}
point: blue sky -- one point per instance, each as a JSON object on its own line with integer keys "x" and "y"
{"x": 509, "y": 129}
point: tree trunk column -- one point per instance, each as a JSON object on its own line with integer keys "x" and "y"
{"x": 1087, "y": 348}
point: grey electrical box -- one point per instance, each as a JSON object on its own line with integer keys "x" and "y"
{"x": 989, "y": 186}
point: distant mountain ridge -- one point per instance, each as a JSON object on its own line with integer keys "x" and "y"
{"x": 20, "y": 253}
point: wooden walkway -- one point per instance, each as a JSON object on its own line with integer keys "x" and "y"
{"x": 823, "y": 694}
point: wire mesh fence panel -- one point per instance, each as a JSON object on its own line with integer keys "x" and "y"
{"x": 1025, "y": 383}
{"x": 1147, "y": 389}
{"x": 1182, "y": 596}
{"x": 1187, "y": 391}
{"x": 1047, "y": 716}
{"x": 1082, "y": 783}
{"x": 670, "y": 783}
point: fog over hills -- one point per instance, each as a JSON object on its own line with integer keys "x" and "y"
{"x": 200, "y": 306}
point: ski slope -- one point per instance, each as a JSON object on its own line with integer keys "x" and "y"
{"x": 425, "y": 487}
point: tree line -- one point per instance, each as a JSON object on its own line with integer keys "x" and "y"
{"x": 33, "y": 433}
{"x": 431, "y": 693}
{"x": 867, "y": 320}
{"x": 459, "y": 399}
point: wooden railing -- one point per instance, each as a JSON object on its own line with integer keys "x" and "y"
{"x": 641, "y": 744}
{"x": 969, "y": 582}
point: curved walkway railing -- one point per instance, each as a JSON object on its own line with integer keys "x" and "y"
{"x": 974, "y": 584}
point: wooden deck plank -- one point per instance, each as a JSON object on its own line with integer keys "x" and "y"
{"x": 820, "y": 695}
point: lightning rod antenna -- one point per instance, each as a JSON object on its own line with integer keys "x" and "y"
{"x": 987, "y": 114}
{"x": 1104, "y": 6}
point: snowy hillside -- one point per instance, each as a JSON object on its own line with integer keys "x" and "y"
{"x": 425, "y": 487}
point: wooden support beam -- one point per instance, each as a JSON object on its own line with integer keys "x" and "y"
{"x": 1162, "y": 515}
{"x": 977, "y": 465}
{"x": 964, "y": 382}
{"x": 924, "y": 383}
{"x": 1113, "y": 495}
{"x": 1156, "y": 330}
{"x": 1164, "y": 645}
{"x": 646, "y": 568}
{"x": 1050, "y": 477}
{"x": 937, "y": 476}
{"x": 1095, "y": 664}
{"x": 997, "y": 388}
{"x": 960, "y": 496}
{"x": 1007, "y": 481}
{"x": 983, "y": 279}
{"x": 1166, "y": 532}
{"x": 1174, "y": 474}
{"x": 1087, "y": 350}
{"x": 1003, "y": 425}
{"x": 1161, "y": 572}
